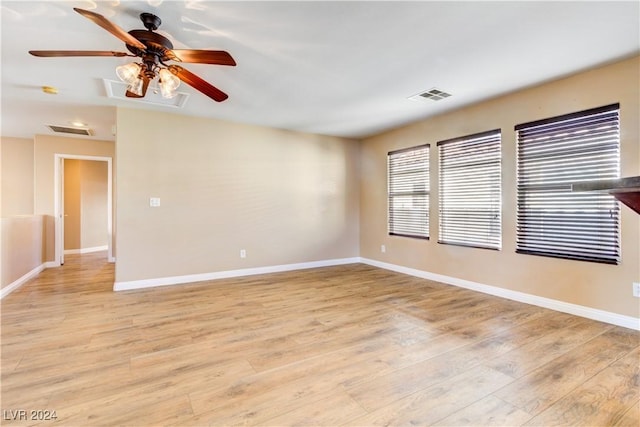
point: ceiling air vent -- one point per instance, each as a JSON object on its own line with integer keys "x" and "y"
{"x": 432, "y": 94}
{"x": 117, "y": 90}
{"x": 71, "y": 130}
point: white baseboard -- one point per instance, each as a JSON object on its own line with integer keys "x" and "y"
{"x": 86, "y": 250}
{"x": 177, "y": 280}
{"x": 17, "y": 283}
{"x": 565, "y": 307}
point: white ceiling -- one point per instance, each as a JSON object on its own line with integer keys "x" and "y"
{"x": 336, "y": 68}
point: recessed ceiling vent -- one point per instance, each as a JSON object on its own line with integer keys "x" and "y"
{"x": 71, "y": 130}
{"x": 117, "y": 90}
{"x": 432, "y": 94}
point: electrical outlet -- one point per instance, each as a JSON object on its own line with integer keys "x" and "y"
{"x": 243, "y": 253}
{"x": 636, "y": 289}
{"x": 383, "y": 248}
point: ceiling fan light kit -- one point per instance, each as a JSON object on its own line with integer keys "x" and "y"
{"x": 134, "y": 75}
{"x": 137, "y": 87}
{"x": 128, "y": 73}
{"x": 168, "y": 83}
{"x": 154, "y": 50}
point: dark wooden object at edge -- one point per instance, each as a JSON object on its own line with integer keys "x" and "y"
{"x": 626, "y": 190}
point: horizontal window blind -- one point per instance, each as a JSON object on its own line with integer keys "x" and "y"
{"x": 470, "y": 190}
{"x": 552, "y": 155}
{"x": 408, "y": 191}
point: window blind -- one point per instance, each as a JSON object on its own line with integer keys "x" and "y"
{"x": 470, "y": 190}
{"x": 552, "y": 154}
{"x": 408, "y": 191}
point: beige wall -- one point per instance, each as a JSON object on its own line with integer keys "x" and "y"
{"x": 605, "y": 287}
{"x": 22, "y": 246}
{"x": 93, "y": 182}
{"x": 85, "y": 204}
{"x": 21, "y": 233}
{"x": 284, "y": 197}
{"x": 72, "y": 230}
{"x": 45, "y": 149}
{"x": 17, "y": 176}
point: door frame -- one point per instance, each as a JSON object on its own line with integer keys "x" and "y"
{"x": 58, "y": 197}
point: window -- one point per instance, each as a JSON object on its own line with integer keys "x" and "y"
{"x": 408, "y": 190}
{"x": 552, "y": 154}
{"x": 470, "y": 195}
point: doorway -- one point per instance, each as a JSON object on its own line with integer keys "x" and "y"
{"x": 75, "y": 210}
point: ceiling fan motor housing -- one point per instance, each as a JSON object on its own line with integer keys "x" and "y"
{"x": 156, "y": 44}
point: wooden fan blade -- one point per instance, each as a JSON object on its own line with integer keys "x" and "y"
{"x": 197, "y": 83}
{"x": 217, "y": 57}
{"x": 145, "y": 85}
{"x": 56, "y": 53}
{"x": 111, "y": 27}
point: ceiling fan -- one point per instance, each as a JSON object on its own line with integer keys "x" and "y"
{"x": 154, "y": 50}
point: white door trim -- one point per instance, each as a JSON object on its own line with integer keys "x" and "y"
{"x": 58, "y": 170}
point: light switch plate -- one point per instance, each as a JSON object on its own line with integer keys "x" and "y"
{"x": 154, "y": 202}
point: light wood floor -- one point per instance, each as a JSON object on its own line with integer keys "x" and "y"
{"x": 349, "y": 345}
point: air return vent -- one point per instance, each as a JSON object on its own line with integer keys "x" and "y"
{"x": 117, "y": 90}
{"x": 70, "y": 130}
{"x": 432, "y": 94}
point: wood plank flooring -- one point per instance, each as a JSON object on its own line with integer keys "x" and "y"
{"x": 350, "y": 345}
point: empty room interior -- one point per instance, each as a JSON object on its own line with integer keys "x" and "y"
{"x": 320, "y": 213}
